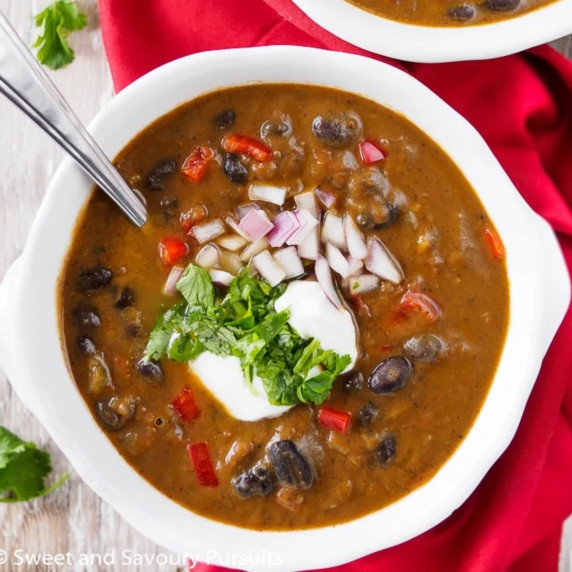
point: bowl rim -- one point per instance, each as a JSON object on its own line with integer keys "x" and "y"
{"x": 432, "y": 44}
{"x": 32, "y": 315}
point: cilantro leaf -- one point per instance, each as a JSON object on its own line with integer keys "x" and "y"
{"x": 246, "y": 325}
{"x": 57, "y": 21}
{"x": 23, "y": 469}
{"x": 196, "y": 286}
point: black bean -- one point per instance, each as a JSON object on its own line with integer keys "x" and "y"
{"x": 282, "y": 128}
{"x": 258, "y": 480}
{"x": 161, "y": 171}
{"x": 234, "y": 169}
{"x": 370, "y": 181}
{"x": 462, "y": 13}
{"x": 85, "y": 345}
{"x": 126, "y": 298}
{"x": 289, "y": 465}
{"x": 368, "y": 414}
{"x": 390, "y": 375}
{"x": 108, "y": 416}
{"x": 150, "y": 369}
{"x": 169, "y": 203}
{"x": 502, "y": 5}
{"x": 224, "y": 119}
{"x": 425, "y": 347}
{"x": 86, "y": 317}
{"x": 352, "y": 381}
{"x": 386, "y": 450}
{"x": 94, "y": 279}
{"x": 338, "y": 130}
{"x": 383, "y": 216}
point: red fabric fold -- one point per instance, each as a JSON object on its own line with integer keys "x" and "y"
{"x": 522, "y": 106}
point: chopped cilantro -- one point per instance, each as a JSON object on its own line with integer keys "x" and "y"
{"x": 57, "y": 21}
{"x": 246, "y": 325}
{"x": 23, "y": 469}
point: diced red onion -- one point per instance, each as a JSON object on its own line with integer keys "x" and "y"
{"x": 307, "y": 201}
{"x": 309, "y": 248}
{"x": 233, "y": 223}
{"x": 268, "y": 268}
{"x": 172, "y": 279}
{"x": 208, "y": 256}
{"x": 337, "y": 261}
{"x": 255, "y": 224}
{"x": 355, "y": 265}
{"x": 371, "y": 152}
{"x": 327, "y": 198}
{"x": 333, "y": 231}
{"x": 268, "y": 193}
{"x": 221, "y": 277}
{"x": 285, "y": 225}
{"x": 381, "y": 262}
{"x": 290, "y": 261}
{"x": 253, "y": 249}
{"x": 230, "y": 261}
{"x": 242, "y": 210}
{"x": 354, "y": 238}
{"x": 208, "y": 231}
{"x": 232, "y": 242}
{"x": 307, "y": 222}
{"x": 362, "y": 283}
{"x": 324, "y": 276}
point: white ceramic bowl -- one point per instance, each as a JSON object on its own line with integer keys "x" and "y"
{"x": 433, "y": 44}
{"x": 32, "y": 356}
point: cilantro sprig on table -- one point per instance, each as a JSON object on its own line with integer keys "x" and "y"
{"x": 23, "y": 469}
{"x": 246, "y": 325}
{"x": 57, "y": 21}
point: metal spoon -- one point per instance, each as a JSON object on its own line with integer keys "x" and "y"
{"x": 26, "y": 84}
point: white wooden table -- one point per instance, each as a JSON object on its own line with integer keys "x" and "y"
{"x": 72, "y": 519}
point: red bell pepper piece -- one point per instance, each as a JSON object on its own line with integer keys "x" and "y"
{"x": 195, "y": 165}
{"x": 334, "y": 419}
{"x": 419, "y": 302}
{"x": 185, "y": 406}
{"x": 203, "y": 465}
{"x": 172, "y": 250}
{"x": 247, "y": 146}
{"x": 371, "y": 152}
{"x": 193, "y": 216}
{"x": 495, "y": 244}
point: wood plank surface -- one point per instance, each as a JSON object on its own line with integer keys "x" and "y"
{"x": 72, "y": 519}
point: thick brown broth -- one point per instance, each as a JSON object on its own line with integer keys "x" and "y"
{"x": 438, "y": 237}
{"x": 449, "y": 12}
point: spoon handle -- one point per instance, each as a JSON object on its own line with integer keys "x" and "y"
{"x": 26, "y": 84}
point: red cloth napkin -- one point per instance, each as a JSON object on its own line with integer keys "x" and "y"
{"x": 522, "y": 105}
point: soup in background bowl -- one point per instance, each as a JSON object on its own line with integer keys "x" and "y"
{"x": 451, "y": 12}
{"x": 388, "y": 104}
{"x": 445, "y": 31}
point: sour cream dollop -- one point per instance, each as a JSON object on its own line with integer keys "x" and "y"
{"x": 311, "y": 315}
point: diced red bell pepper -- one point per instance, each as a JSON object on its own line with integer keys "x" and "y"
{"x": 419, "y": 302}
{"x": 193, "y": 216}
{"x": 185, "y": 406}
{"x": 172, "y": 250}
{"x": 371, "y": 152}
{"x": 495, "y": 244}
{"x": 203, "y": 465}
{"x": 247, "y": 146}
{"x": 334, "y": 419}
{"x": 195, "y": 165}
